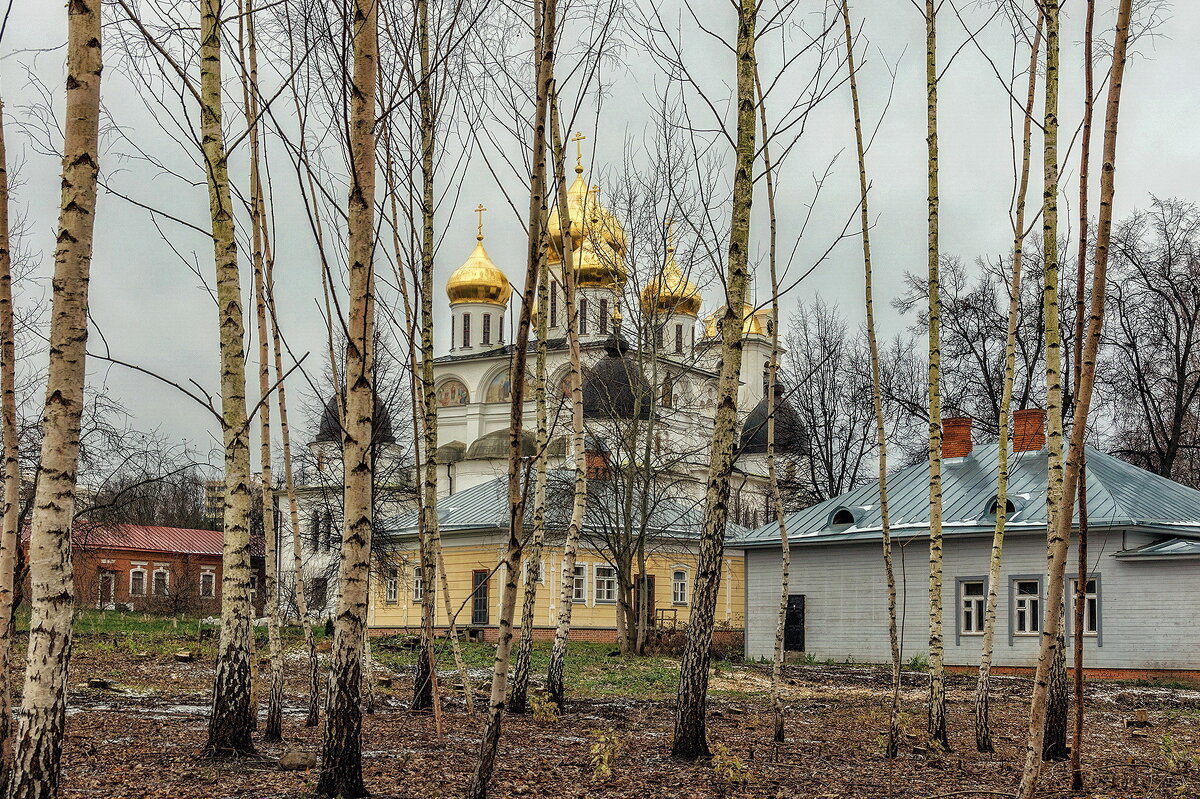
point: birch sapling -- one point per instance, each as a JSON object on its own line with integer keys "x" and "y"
{"x": 983, "y": 726}
{"x": 936, "y": 722}
{"x": 893, "y": 733}
{"x": 11, "y": 509}
{"x": 42, "y": 725}
{"x": 555, "y": 673}
{"x": 544, "y": 37}
{"x": 518, "y": 694}
{"x": 232, "y": 719}
{"x": 690, "y": 740}
{"x": 1057, "y": 538}
{"x": 341, "y": 756}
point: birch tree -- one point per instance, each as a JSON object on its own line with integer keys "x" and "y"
{"x": 232, "y": 719}
{"x": 556, "y": 670}
{"x": 341, "y": 756}
{"x": 42, "y": 724}
{"x": 543, "y": 24}
{"x": 690, "y": 740}
{"x": 9, "y": 433}
{"x": 936, "y": 723}
{"x": 983, "y": 729}
{"x": 1060, "y": 523}
{"x": 893, "y": 733}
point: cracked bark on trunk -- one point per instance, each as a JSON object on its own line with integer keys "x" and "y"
{"x": 12, "y": 469}
{"x": 39, "y": 739}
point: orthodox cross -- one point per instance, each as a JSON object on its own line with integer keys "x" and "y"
{"x": 479, "y": 228}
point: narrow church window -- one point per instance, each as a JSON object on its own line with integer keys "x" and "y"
{"x": 603, "y": 316}
{"x": 487, "y": 328}
{"x": 553, "y": 304}
{"x": 658, "y": 338}
{"x": 500, "y": 335}
{"x": 466, "y": 330}
{"x": 583, "y": 316}
{"x": 678, "y": 338}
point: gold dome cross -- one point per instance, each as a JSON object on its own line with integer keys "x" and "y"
{"x": 479, "y": 228}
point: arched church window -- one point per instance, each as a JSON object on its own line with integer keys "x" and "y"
{"x": 678, "y": 338}
{"x": 583, "y": 317}
{"x": 466, "y": 333}
{"x": 487, "y": 328}
{"x": 553, "y": 304}
{"x": 667, "y": 394}
{"x": 499, "y": 388}
{"x": 603, "y": 316}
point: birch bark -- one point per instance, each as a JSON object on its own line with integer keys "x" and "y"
{"x": 690, "y": 740}
{"x": 341, "y": 757}
{"x": 12, "y": 469}
{"x": 232, "y": 718}
{"x": 39, "y": 740}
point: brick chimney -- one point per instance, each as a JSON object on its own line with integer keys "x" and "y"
{"x": 596, "y": 464}
{"x": 956, "y": 437}
{"x": 1029, "y": 430}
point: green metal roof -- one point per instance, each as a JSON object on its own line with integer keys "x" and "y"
{"x": 1119, "y": 494}
{"x": 1171, "y": 548}
{"x": 484, "y": 507}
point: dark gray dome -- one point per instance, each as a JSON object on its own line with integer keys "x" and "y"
{"x": 330, "y": 428}
{"x": 495, "y": 445}
{"x": 561, "y": 445}
{"x": 788, "y": 434}
{"x": 452, "y": 452}
{"x": 615, "y": 387}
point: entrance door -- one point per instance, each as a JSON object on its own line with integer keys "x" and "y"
{"x": 793, "y": 624}
{"x": 479, "y": 603}
{"x": 648, "y": 581}
{"x": 108, "y": 589}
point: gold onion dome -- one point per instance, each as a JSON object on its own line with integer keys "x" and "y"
{"x": 594, "y": 271}
{"x": 587, "y": 217}
{"x": 478, "y": 279}
{"x": 671, "y": 291}
{"x": 756, "y": 323}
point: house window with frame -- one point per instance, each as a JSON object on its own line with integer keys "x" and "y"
{"x": 606, "y": 584}
{"x": 583, "y": 317}
{"x": 161, "y": 585}
{"x": 487, "y": 328}
{"x": 391, "y": 587}
{"x": 579, "y": 586}
{"x": 603, "y": 316}
{"x": 972, "y": 602}
{"x": 137, "y": 582}
{"x": 466, "y": 333}
{"x": 679, "y": 587}
{"x": 1027, "y": 607}
{"x": 1091, "y": 605}
{"x": 418, "y": 589}
{"x": 208, "y": 584}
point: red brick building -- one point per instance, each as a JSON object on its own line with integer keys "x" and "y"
{"x": 153, "y": 569}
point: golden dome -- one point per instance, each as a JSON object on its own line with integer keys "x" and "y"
{"x": 583, "y": 203}
{"x": 671, "y": 291}
{"x": 593, "y": 271}
{"x": 478, "y": 280}
{"x": 755, "y": 323}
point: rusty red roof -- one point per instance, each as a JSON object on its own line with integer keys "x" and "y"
{"x": 153, "y": 538}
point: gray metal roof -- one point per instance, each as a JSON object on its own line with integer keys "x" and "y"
{"x": 1171, "y": 548}
{"x": 485, "y": 508}
{"x": 1119, "y": 494}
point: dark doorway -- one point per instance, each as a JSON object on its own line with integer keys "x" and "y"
{"x": 108, "y": 589}
{"x": 479, "y": 602}
{"x": 793, "y": 624}
{"x": 646, "y": 580}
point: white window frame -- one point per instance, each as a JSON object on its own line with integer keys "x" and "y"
{"x": 211, "y": 574}
{"x": 679, "y": 597}
{"x": 1017, "y": 600}
{"x": 610, "y": 580}
{"x": 160, "y": 568}
{"x": 977, "y": 604}
{"x": 579, "y": 585}
{"x": 138, "y": 568}
{"x": 391, "y": 587}
{"x": 418, "y": 591}
{"x": 1098, "y": 615}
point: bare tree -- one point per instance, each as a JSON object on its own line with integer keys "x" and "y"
{"x": 38, "y": 745}
{"x": 12, "y": 467}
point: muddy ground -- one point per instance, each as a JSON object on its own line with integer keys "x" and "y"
{"x": 141, "y": 738}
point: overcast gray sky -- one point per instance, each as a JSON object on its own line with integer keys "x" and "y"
{"x": 152, "y": 311}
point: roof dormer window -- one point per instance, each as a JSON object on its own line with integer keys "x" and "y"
{"x": 841, "y": 519}
{"x": 994, "y": 505}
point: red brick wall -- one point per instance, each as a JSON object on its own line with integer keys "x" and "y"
{"x": 183, "y": 585}
{"x": 596, "y": 635}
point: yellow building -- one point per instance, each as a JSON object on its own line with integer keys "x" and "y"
{"x": 474, "y": 531}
